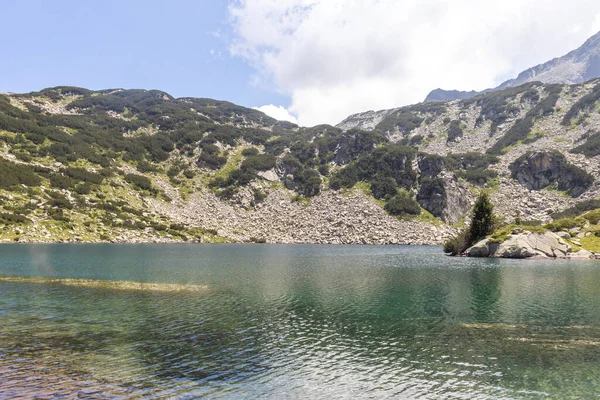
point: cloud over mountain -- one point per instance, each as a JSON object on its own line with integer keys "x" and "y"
{"x": 337, "y": 57}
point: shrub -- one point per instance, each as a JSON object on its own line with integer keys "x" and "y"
{"x": 12, "y": 174}
{"x": 457, "y": 244}
{"x": 455, "y": 131}
{"x": 260, "y": 162}
{"x": 250, "y": 151}
{"x": 60, "y": 181}
{"x": 384, "y": 187}
{"x": 402, "y": 203}
{"x": 577, "y": 209}
{"x": 324, "y": 169}
{"x": 590, "y": 148}
{"x": 139, "y": 181}
{"x": 211, "y": 160}
{"x": 307, "y": 182}
{"x": 83, "y": 175}
{"x": 144, "y": 166}
{"x": 584, "y": 103}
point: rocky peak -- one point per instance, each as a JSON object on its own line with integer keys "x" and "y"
{"x": 576, "y": 67}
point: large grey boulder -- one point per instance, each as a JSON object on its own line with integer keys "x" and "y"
{"x": 523, "y": 244}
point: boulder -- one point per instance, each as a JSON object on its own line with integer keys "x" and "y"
{"x": 523, "y": 244}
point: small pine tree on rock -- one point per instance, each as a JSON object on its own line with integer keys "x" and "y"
{"x": 482, "y": 223}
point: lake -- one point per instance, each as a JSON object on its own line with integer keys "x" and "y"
{"x": 294, "y": 321}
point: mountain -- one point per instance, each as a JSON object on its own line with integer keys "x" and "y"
{"x": 578, "y": 66}
{"x": 140, "y": 165}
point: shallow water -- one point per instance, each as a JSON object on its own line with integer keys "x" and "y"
{"x": 278, "y": 321}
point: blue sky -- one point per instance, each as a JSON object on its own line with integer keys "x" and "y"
{"x": 315, "y": 60}
{"x": 179, "y": 46}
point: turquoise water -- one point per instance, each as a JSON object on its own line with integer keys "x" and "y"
{"x": 278, "y": 321}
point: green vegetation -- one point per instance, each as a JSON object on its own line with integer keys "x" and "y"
{"x": 402, "y": 204}
{"x": 455, "y": 131}
{"x": 12, "y": 175}
{"x": 70, "y": 173}
{"x": 520, "y": 131}
{"x": 591, "y": 147}
{"x": 483, "y": 223}
{"x": 577, "y": 209}
{"x": 587, "y": 102}
{"x": 404, "y": 121}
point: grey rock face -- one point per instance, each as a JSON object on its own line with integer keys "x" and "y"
{"x": 366, "y": 121}
{"x": 440, "y": 193}
{"x": 539, "y": 170}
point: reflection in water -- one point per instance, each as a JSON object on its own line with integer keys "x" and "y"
{"x": 293, "y": 321}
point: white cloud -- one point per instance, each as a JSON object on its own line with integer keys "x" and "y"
{"x": 278, "y": 112}
{"x": 337, "y": 57}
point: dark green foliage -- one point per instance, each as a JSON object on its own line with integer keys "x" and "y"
{"x": 244, "y": 175}
{"x": 495, "y": 106}
{"x": 324, "y": 169}
{"x": 58, "y": 200}
{"x": 174, "y": 170}
{"x": 454, "y": 131}
{"x": 383, "y": 187}
{"x": 259, "y": 162}
{"x": 12, "y": 175}
{"x": 591, "y": 147}
{"x": 416, "y": 140}
{"x": 144, "y": 166}
{"x": 477, "y": 176}
{"x": 83, "y": 188}
{"x": 460, "y": 161}
{"x": 83, "y": 175}
{"x": 482, "y": 222}
{"x": 518, "y": 131}
{"x": 457, "y": 244}
{"x": 250, "y": 151}
{"x": 211, "y": 160}
{"x": 522, "y": 128}
{"x": 404, "y": 121}
{"x": 9, "y": 219}
{"x": 60, "y": 181}
{"x": 401, "y": 204}
{"x": 344, "y": 178}
{"x": 386, "y": 161}
{"x": 139, "y": 181}
{"x": 307, "y": 182}
{"x": 587, "y": 102}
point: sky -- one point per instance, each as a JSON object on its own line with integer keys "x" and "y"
{"x": 307, "y": 61}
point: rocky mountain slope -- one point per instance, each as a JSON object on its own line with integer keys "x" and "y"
{"x": 578, "y": 66}
{"x": 137, "y": 165}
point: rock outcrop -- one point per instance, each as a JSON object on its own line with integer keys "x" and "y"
{"x": 440, "y": 192}
{"x": 539, "y": 170}
{"x": 525, "y": 244}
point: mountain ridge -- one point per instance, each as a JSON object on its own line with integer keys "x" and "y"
{"x": 577, "y": 66}
{"x": 137, "y": 165}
